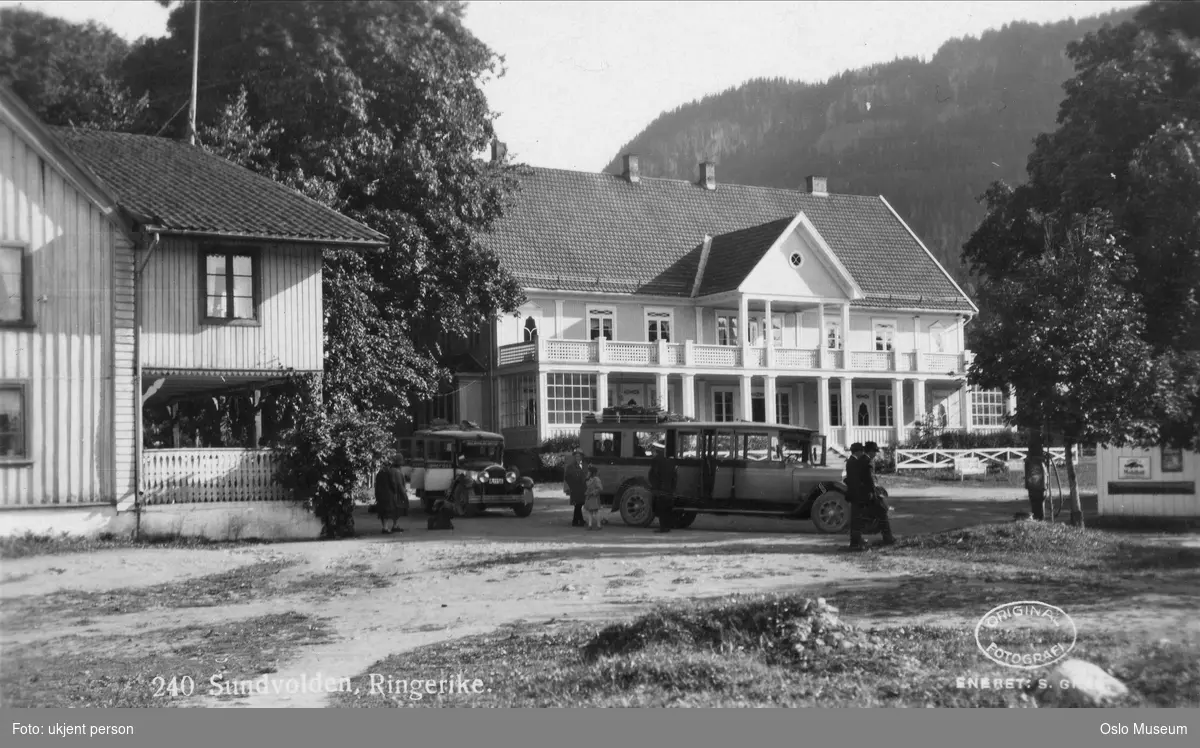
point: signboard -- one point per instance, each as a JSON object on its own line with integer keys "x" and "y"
{"x": 1172, "y": 460}
{"x": 969, "y": 466}
{"x": 1133, "y": 468}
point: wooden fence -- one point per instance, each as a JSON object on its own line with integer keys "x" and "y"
{"x": 173, "y": 476}
{"x": 928, "y": 459}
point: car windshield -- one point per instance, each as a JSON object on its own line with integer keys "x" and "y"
{"x": 481, "y": 450}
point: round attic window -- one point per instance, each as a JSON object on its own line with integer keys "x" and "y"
{"x": 796, "y": 259}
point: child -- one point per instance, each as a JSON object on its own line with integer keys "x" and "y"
{"x": 591, "y": 500}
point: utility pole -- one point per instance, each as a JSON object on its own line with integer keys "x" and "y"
{"x": 195, "y": 76}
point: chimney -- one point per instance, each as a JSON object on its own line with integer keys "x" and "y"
{"x": 708, "y": 175}
{"x": 816, "y": 185}
{"x": 631, "y": 168}
{"x": 499, "y": 151}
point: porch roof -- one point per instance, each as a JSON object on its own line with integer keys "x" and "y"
{"x": 178, "y": 383}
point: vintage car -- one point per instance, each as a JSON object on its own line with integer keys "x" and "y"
{"x": 464, "y": 465}
{"x": 722, "y": 468}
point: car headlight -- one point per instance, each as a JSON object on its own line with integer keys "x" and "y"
{"x": 511, "y": 476}
{"x": 480, "y": 478}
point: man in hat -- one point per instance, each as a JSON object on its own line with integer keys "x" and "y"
{"x": 662, "y": 484}
{"x": 875, "y": 504}
{"x": 857, "y": 479}
{"x": 575, "y": 481}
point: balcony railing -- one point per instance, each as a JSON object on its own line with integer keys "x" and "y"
{"x": 692, "y": 355}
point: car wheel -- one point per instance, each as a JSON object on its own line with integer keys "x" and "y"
{"x": 523, "y": 510}
{"x": 426, "y": 502}
{"x": 460, "y": 497}
{"x": 831, "y": 513}
{"x": 684, "y": 520}
{"x": 636, "y": 504}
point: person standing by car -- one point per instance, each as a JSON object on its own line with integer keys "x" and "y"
{"x": 391, "y": 494}
{"x": 575, "y": 481}
{"x": 858, "y": 487}
{"x": 877, "y": 506}
{"x": 662, "y": 485}
{"x": 591, "y": 503}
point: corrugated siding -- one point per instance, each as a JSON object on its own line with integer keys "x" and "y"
{"x": 123, "y": 384}
{"x": 1146, "y": 505}
{"x": 290, "y": 333}
{"x": 64, "y": 360}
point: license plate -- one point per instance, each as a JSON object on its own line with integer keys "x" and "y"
{"x": 496, "y": 481}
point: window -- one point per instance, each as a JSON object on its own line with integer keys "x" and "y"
{"x": 660, "y": 323}
{"x": 885, "y": 335}
{"x": 833, "y": 335}
{"x": 863, "y": 414}
{"x": 230, "y": 285}
{"x": 937, "y": 338}
{"x": 687, "y": 445}
{"x": 759, "y": 447}
{"x": 645, "y": 442}
{"x": 835, "y": 409}
{"x": 606, "y": 444}
{"x": 725, "y": 446}
{"x": 757, "y": 326}
{"x": 883, "y": 406}
{"x": 16, "y": 285}
{"x": 722, "y": 405}
{"x": 758, "y": 407}
{"x": 530, "y": 330}
{"x": 569, "y": 397}
{"x": 987, "y": 407}
{"x": 442, "y": 407}
{"x": 796, "y": 259}
{"x": 727, "y": 329}
{"x": 602, "y": 323}
{"x": 783, "y": 407}
{"x": 518, "y": 401}
{"x": 13, "y": 441}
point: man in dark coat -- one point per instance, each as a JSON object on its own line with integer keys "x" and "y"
{"x": 877, "y": 506}
{"x": 858, "y": 479}
{"x": 662, "y": 483}
{"x": 575, "y": 481}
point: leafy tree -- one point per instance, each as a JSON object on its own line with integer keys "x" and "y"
{"x": 68, "y": 73}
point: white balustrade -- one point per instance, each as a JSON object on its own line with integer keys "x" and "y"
{"x": 209, "y": 475}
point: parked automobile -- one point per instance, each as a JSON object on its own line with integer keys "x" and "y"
{"x": 464, "y": 465}
{"x": 722, "y": 468}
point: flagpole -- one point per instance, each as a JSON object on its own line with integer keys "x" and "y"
{"x": 195, "y": 76}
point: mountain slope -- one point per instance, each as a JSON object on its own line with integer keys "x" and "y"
{"x": 928, "y": 136}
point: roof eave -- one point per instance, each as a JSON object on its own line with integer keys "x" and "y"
{"x": 279, "y": 239}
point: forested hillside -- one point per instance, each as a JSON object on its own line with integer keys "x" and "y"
{"x": 928, "y": 136}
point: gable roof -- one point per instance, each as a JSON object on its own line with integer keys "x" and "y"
{"x": 583, "y": 231}
{"x": 178, "y": 188}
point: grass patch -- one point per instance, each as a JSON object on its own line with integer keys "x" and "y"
{"x": 741, "y": 652}
{"x": 90, "y": 672}
{"x": 30, "y": 544}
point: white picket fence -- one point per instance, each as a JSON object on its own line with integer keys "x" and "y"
{"x": 175, "y": 476}
{"x": 929, "y": 459}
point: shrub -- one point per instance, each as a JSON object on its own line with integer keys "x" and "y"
{"x": 930, "y": 437}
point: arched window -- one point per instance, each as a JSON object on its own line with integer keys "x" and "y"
{"x": 864, "y": 415}
{"x": 531, "y": 331}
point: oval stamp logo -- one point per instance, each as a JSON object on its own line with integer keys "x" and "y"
{"x": 1026, "y": 634}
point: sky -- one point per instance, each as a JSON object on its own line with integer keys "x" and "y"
{"x": 583, "y": 78}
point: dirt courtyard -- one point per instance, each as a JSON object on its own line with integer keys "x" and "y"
{"x": 490, "y": 571}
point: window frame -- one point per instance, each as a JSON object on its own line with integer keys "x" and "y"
{"x": 835, "y": 410}
{"x": 731, "y": 327}
{"x": 834, "y": 324}
{"x": 937, "y": 331}
{"x": 783, "y": 410}
{"x": 24, "y": 458}
{"x": 876, "y": 323}
{"x": 732, "y": 405}
{"x": 757, "y": 321}
{"x": 229, "y": 250}
{"x": 26, "y": 319}
{"x": 668, "y": 312}
{"x": 983, "y": 402}
{"x": 601, "y": 312}
{"x": 526, "y": 336}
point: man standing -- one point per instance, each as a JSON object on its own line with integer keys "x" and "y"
{"x": 575, "y": 481}
{"x": 857, "y": 479}
{"x": 662, "y": 483}
{"x": 876, "y": 505}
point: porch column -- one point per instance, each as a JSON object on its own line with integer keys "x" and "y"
{"x": 689, "y": 395}
{"x": 798, "y": 395}
{"x": 962, "y": 333}
{"x": 823, "y": 425}
{"x": 700, "y": 325}
{"x": 769, "y": 343}
{"x": 965, "y": 402}
{"x": 558, "y": 320}
{"x": 822, "y": 344}
{"x": 743, "y": 330}
{"x": 661, "y": 385}
{"x": 543, "y": 416}
{"x": 769, "y": 398}
{"x": 918, "y": 398}
{"x": 918, "y": 365}
{"x": 846, "y": 335}
{"x": 848, "y": 408}
{"x": 258, "y": 427}
{"x": 898, "y": 409}
{"x": 601, "y": 390}
{"x": 747, "y": 402}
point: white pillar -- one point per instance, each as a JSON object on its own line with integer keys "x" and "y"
{"x": 689, "y": 353}
{"x": 962, "y": 333}
{"x": 918, "y": 398}
{"x": 700, "y": 325}
{"x": 898, "y": 409}
{"x": 769, "y": 335}
{"x": 916, "y": 346}
{"x": 543, "y": 416}
{"x": 558, "y": 320}
{"x": 965, "y": 402}
{"x": 747, "y": 402}
{"x": 743, "y": 329}
{"x": 689, "y": 395}
{"x": 846, "y": 335}
{"x": 602, "y": 350}
{"x": 821, "y": 342}
{"x": 661, "y": 385}
{"x": 823, "y": 425}
{"x": 769, "y": 398}
{"x": 798, "y": 399}
{"x": 848, "y": 408}
{"x": 601, "y": 390}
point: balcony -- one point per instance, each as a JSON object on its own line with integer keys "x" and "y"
{"x": 689, "y": 355}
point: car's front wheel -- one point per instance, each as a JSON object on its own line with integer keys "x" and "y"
{"x": 831, "y": 513}
{"x": 684, "y": 520}
{"x": 637, "y": 505}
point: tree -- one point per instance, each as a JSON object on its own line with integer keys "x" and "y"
{"x": 1062, "y": 330}
{"x": 69, "y": 74}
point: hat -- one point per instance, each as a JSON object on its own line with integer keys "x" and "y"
{"x": 871, "y": 447}
{"x": 856, "y": 447}
{"x": 577, "y": 451}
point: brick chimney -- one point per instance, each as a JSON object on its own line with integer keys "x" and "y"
{"x": 630, "y": 171}
{"x": 499, "y": 151}
{"x": 708, "y": 175}
{"x": 816, "y": 185}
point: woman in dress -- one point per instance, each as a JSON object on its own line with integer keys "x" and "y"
{"x": 391, "y": 494}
